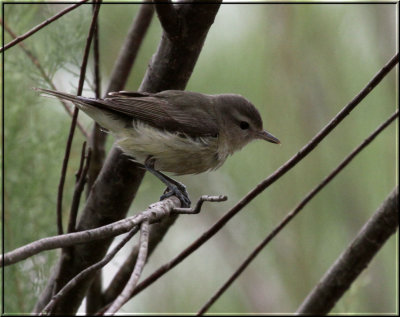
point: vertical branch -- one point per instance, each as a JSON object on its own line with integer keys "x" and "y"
{"x": 141, "y": 260}
{"x": 94, "y": 295}
{"x": 81, "y": 181}
{"x": 74, "y": 120}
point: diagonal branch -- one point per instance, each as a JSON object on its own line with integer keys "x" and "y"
{"x": 40, "y": 26}
{"x": 271, "y": 179}
{"x": 354, "y": 259}
{"x": 157, "y": 232}
{"x": 95, "y": 267}
{"x": 169, "y": 18}
{"x": 295, "y": 211}
{"x": 155, "y": 213}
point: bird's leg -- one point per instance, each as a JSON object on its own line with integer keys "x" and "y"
{"x": 175, "y": 188}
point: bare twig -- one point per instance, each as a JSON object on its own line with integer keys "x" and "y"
{"x": 197, "y": 208}
{"x": 155, "y": 213}
{"x": 295, "y": 211}
{"x": 81, "y": 162}
{"x": 121, "y": 277}
{"x": 137, "y": 272}
{"x": 94, "y": 294}
{"x": 74, "y": 120}
{"x": 95, "y": 267}
{"x": 169, "y": 18}
{"x": 80, "y": 184}
{"x": 36, "y": 62}
{"x": 272, "y": 178}
{"x": 354, "y": 259}
{"x": 130, "y": 48}
{"x": 96, "y": 57}
{"x": 40, "y": 26}
{"x": 157, "y": 232}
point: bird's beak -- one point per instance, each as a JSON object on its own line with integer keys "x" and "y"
{"x": 264, "y": 135}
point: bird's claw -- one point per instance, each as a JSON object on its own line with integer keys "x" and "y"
{"x": 179, "y": 192}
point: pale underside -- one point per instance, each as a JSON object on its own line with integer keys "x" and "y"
{"x": 172, "y": 152}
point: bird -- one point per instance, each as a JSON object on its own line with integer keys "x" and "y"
{"x": 175, "y": 131}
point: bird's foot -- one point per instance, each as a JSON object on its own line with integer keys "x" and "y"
{"x": 178, "y": 190}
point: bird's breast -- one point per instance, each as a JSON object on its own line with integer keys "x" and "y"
{"x": 176, "y": 153}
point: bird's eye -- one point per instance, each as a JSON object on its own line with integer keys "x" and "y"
{"x": 244, "y": 125}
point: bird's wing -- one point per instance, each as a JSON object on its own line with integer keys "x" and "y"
{"x": 161, "y": 113}
{"x": 176, "y": 115}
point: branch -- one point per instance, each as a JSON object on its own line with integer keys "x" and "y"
{"x": 169, "y": 18}
{"x": 94, "y": 294}
{"x": 80, "y": 184}
{"x": 271, "y": 179}
{"x": 130, "y": 48}
{"x": 199, "y": 204}
{"x": 295, "y": 211}
{"x": 157, "y": 232}
{"x": 40, "y": 26}
{"x": 155, "y": 213}
{"x": 354, "y": 259}
{"x": 72, "y": 283}
{"x": 74, "y": 120}
{"x": 141, "y": 260}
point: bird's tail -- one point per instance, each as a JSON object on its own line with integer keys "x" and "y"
{"x": 62, "y": 95}
{"x": 93, "y": 108}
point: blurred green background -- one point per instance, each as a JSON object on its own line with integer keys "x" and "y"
{"x": 299, "y": 64}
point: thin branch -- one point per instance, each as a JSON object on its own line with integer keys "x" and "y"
{"x": 96, "y": 57}
{"x": 74, "y": 120}
{"x": 271, "y": 179}
{"x": 169, "y": 18}
{"x": 157, "y": 232}
{"x": 199, "y": 204}
{"x": 36, "y": 62}
{"x": 94, "y": 294}
{"x": 40, "y": 26}
{"x": 155, "y": 213}
{"x": 137, "y": 272}
{"x": 81, "y": 162}
{"x": 295, "y": 211}
{"x": 130, "y": 48}
{"x": 80, "y": 184}
{"x": 354, "y": 259}
{"x": 95, "y": 267}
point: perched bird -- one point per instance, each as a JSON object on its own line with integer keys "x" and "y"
{"x": 175, "y": 131}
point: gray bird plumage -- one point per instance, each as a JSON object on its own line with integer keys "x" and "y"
{"x": 183, "y": 132}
